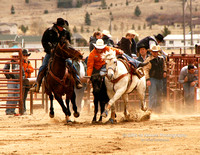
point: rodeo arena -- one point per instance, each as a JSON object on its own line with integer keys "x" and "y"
{"x": 47, "y": 122}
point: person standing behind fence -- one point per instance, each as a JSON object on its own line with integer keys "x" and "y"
{"x": 106, "y": 36}
{"x": 28, "y": 69}
{"x": 188, "y": 77}
{"x": 142, "y": 53}
{"x": 128, "y": 44}
{"x": 93, "y": 39}
{"x": 155, "y": 71}
{"x": 11, "y": 67}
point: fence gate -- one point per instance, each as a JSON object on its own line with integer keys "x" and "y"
{"x": 4, "y": 90}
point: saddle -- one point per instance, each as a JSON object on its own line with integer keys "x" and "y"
{"x": 131, "y": 69}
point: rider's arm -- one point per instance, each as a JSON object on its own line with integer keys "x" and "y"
{"x": 90, "y": 64}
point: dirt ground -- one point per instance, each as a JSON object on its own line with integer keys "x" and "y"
{"x": 40, "y": 134}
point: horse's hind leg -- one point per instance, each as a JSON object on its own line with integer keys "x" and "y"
{"x": 51, "y": 113}
{"x": 125, "y": 99}
{"x": 141, "y": 88}
{"x": 73, "y": 100}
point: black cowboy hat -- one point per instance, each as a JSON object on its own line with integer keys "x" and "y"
{"x": 141, "y": 46}
{"x": 159, "y": 37}
{"x": 60, "y": 22}
{"x": 25, "y": 53}
{"x": 66, "y": 22}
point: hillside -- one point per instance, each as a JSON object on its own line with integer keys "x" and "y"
{"x": 32, "y": 15}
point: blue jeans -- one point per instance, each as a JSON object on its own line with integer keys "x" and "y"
{"x": 72, "y": 65}
{"x": 134, "y": 62}
{"x": 188, "y": 94}
{"x": 44, "y": 63}
{"x": 155, "y": 94}
{"x": 12, "y": 86}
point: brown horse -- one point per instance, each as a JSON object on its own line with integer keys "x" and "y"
{"x": 59, "y": 81}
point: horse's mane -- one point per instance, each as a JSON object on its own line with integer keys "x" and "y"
{"x": 108, "y": 55}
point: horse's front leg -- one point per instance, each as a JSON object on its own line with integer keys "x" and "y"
{"x": 73, "y": 101}
{"x": 64, "y": 109}
{"x": 51, "y": 113}
{"x": 117, "y": 95}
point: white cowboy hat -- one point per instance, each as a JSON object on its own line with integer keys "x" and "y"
{"x": 107, "y": 33}
{"x": 155, "y": 48}
{"x": 133, "y": 32}
{"x": 100, "y": 44}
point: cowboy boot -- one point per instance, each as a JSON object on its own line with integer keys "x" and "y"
{"x": 78, "y": 82}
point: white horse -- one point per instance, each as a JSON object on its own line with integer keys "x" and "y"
{"x": 120, "y": 82}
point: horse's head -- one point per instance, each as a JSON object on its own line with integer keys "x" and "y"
{"x": 111, "y": 63}
{"x": 97, "y": 82}
{"x": 65, "y": 51}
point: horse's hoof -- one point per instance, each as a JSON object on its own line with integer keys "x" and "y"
{"x": 111, "y": 121}
{"x": 51, "y": 115}
{"x": 144, "y": 109}
{"x": 105, "y": 113}
{"x": 76, "y": 114}
{"x": 94, "y": 122}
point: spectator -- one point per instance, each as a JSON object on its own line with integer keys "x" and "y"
{"x": 128, "y": 44}
{"x": 152, "y": 41}
{"x": 106, "y": 36}
{"x": 188, "y": 77}
{"x": 9, "y": 68}
{"x": 142, "y": 53}
{"x": 28, "y": 69}
{"x": 93, "y": 39}
{"x": 155, "y": 71}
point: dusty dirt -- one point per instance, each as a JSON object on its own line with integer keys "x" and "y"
{"x": 39, "y": 134}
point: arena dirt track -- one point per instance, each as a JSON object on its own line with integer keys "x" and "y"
{"x": 39, "y": 134}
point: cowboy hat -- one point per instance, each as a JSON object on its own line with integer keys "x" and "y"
{"x": 25, "y": 53}
{"x": 106, "y": 33}
{"x": 100, "y": 44}
{"x": 155, "y": 48}
{"x": 159, "y": 37}
{"x": 133, "y": 32}
{"x": 60, "y": 22}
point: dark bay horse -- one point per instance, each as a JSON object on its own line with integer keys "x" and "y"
{"x": 59, "y": 81}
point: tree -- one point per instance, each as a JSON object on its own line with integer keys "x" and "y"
{"x": 156, "y": 1}
{"x": 27, "y": 1}
{"x": 79, "y": 4}
{"x": 75, "y": 30}
{"x": 46, "y": 11}
{"x": 137, "y": 11}
{"x": 103, "y": 4}
{"x": 127, "y": 3}
{"x": 24, "y": 28}
{"x": 12, "y": 10}
{"x": 82, "y": 29}
{"x": 133, "y": 27}
{"x": 87, "y": 19}
{"x": 166, "y": 31}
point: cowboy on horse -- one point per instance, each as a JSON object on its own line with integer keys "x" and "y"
{"x": 51, "y": 37}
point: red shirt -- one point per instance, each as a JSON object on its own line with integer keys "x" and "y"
{"x": 95, "y": 60}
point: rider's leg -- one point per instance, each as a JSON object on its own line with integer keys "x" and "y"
{"x": 41, "y": 73}
{"x": 103, "y": 70}
{"x": 75, "y": 74}
{"x": 134, "y": 62}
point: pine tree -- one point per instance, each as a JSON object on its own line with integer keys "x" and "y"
{"x": 27, "y": 1}
{"x": 127, "y": 3}
{"x": 87, "y": 19}
{"x": 137, "y": 11}
{"x": 23, "y": 28}
{"x": 82, "y": 29}
{"x": 12, "y": 10}
{"x": 103, "y": 4}
{"x": 75, "y": 30}
{"x": 166, "y": 31}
